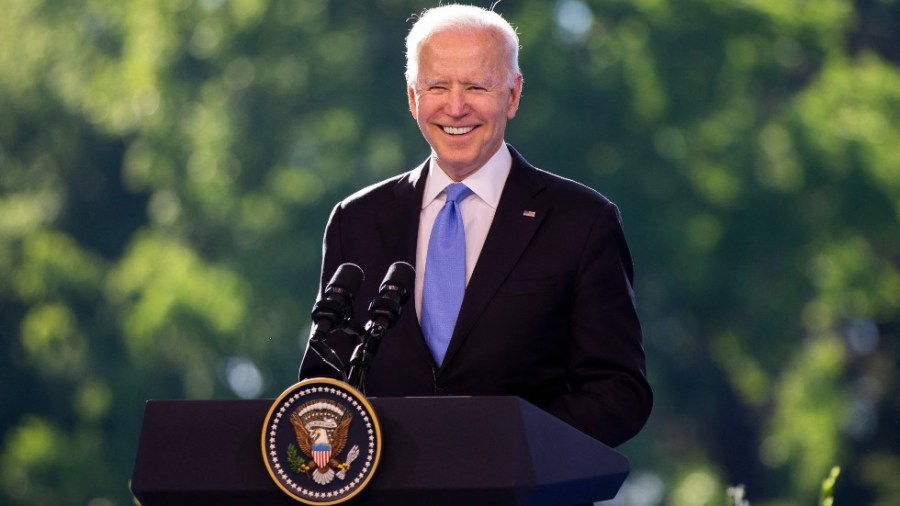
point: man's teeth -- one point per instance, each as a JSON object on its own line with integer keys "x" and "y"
{"x": 458, "y": 131}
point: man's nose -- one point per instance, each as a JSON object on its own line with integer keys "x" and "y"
{"x": 457, "y": 102}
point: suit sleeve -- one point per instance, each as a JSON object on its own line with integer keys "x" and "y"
{"x": 609, "y": 396}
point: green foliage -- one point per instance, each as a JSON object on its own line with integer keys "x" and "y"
{"x": 804, "y": 430}
{"x": 167, "y": 167}
{"x": 294, "y": 459}
{"x": 826, "y": 494}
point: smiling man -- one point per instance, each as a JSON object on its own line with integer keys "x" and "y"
{"x": 461, "y": 93}
{"x": 523, "y": 278}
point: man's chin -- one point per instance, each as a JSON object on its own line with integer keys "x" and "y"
{"x": 457, "y": 163}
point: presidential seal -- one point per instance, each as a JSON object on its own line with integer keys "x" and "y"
{"x": 321, "y": 441}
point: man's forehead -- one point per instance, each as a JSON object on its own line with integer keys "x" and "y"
{"x": 458, "y": 48}
{"x": 469, "y": 59}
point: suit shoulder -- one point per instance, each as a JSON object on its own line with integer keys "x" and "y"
{"x": 381, "y": 191}
{"x": 572, "y": 193}
{"x": 561, "y": 190}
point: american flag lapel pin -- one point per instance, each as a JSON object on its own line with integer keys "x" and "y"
{"x": 529, "y": 214}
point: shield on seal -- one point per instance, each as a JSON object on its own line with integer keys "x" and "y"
{"x": 321, "y": 452}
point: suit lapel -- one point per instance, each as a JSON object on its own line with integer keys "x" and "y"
{"x": 398, "y": 221}
{"x": 520, "y": 213}
{"x": 398, "y": 224}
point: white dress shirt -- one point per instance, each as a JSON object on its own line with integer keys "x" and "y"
{"x": 477, "y": 211}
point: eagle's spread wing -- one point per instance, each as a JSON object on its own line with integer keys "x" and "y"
{"x": 339, "y": 435}
{"x": 302, "y": 436}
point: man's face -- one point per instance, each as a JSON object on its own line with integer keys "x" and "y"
{"x": 462, "y": 98}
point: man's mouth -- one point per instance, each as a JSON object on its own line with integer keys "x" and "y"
{"x": 457, "y": 130}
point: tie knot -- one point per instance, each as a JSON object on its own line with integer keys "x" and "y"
{"x": 457, "y": 192}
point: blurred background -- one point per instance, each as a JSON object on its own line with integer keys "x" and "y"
{"x": 167, "y": 168}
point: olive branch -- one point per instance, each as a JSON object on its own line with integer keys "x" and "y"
{"x": 294, "y": 459}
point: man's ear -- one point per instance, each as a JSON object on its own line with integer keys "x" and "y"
{"x": 514, "y": 96}
{"x": 411, "y": 96}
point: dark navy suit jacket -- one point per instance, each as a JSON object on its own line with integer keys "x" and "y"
{"x": 548, "y": 315}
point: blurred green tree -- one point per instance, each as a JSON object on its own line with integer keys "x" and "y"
{"x": 167, "y": 167}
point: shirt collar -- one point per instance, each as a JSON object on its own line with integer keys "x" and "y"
{"x": 486, "y": 182}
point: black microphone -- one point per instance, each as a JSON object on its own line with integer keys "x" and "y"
{"x": 333, "y": 311}
{"x": 384, "y": 311}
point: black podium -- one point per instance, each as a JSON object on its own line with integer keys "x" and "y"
{"x": 436, "y": 451}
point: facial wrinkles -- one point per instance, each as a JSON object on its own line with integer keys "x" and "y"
{"x": 465, "y": 65}
{"x": 461, "y": 90}
{"x": 461, "y": 99}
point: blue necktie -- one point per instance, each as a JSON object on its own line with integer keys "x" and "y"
{"x": 445, "y": 273}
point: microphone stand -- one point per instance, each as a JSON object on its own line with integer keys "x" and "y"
{"x": 321, "y": 329}
{"x": 334, "y": 310}
{"x": 361, "y": 360}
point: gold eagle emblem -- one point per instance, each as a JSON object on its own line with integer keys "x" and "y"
{"x": 321, "y": 430}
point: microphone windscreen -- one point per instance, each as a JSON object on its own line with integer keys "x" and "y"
{"x": 400, "y": 277}
{"x": 348, "y": 276}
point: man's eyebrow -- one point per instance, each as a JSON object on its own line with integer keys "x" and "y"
{"x": 483, "y": 83}
{"x": 431, "y": 82}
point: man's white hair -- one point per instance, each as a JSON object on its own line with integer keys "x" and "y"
{"x": 456, "y": 17}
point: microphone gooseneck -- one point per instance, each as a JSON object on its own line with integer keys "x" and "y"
{"x": 333, "y": 311}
